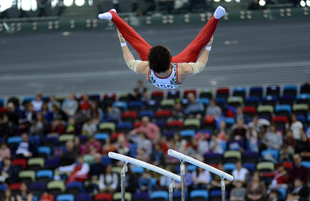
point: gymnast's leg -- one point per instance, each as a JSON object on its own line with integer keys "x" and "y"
{"x": 192, "y": 51}
{"x": 137, "y": 42}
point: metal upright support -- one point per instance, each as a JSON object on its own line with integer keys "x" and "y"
{"x": 182, "y": 169}
{"x": 223, "y": 189}
{"x": 171, "y": 186}
{"x": 123, "y": 174}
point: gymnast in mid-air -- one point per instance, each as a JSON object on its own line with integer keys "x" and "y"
{"x": 157, "y": 63}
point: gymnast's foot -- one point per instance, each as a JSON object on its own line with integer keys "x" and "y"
{"x": 106, "y": 15}
{"x": 219, "y": 12}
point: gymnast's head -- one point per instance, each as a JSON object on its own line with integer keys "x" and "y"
{"x": 159, "y": 59}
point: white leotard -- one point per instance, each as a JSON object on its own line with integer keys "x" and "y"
{"x": 170, "y": 82}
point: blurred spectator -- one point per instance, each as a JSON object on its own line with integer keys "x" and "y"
{"x": 289, "y": 140}
{"x": 39, "y": 127}
{"x": 295, "y": 126}
{"x": 95, "y": 113}
{"x": 113, "y": 114}
{"x": 157, "y": 156}
{"x": 188, "y": 179}
{"x": 290, "y": 197}
{"x": 25, "y": 148}
{"x": 171, "y": 159}
{"x": 215, "y": 145}
{"x": 5, "y": 152}
{"x": 70, "y": 106}
{"x": 56, "y": 128}
{"x": 194, "y": 109}
{"x": 150, "y": 129}
{"x": 239, "y": 115}
{"x": 7, "y": 196}
{"x": 37, "y": 102}
{"x": 92, "y": 142}
{"x": 164, "y": 144}
{"x": 255, "y": 125}
{"x": 273, "y": 196}
{"x": 280, "y": 177}
{"x": 252, "y": 137}
{"x": 142, "y": 141}
{"x": 67, "y": 160}
{"x": 96, "y": 168}
{"x": 256, "y": 189}
{"x": 273, "y": 138}
{"x": 299, "y": 190}
{"x": 131, "y": 181}
{"x": 177, "y": 112}
{"x": 77, "y": 145}
{"x": 201, "y": 178}
{"x": 223, "y": 131}
{"x": 142, "y": 155}
{"x": 213, "y": 109}
{"x": 107, "y": 147}
{"x": 165, "y": 181}
{"x": 89, "y": 128}
{"x": 303, "y": 147}
{"x": 203, "y": 144}
{"x": 47, "y": 197}
{"x": 216, "y": 181}
{"x": 140, "y": 87}
{"x": 80, "y": 171}
{"x": 24, "y": 194}
{"x": 238, "y": 193}
{"x": 194, "y": 150}
{"x": 180, "y": 143}
{"x": 6, "y": 126}
{"x": 108, "y": 180}
{"x": 121, "y": 145}
{"x": 13, "y": 113}
{"x": 285, "y": 156}
{"x": 28, "y": 115}
{"x": 299, "y": 171}
{"x": 239, "y": 131}
{"x": 46, "y": 112}
{"x": 71, "y": 128}
{"x": 145, "y": 96}
{"x": 52, "y": 102}
{"x": 240, "y": 173}
{"x": 57, "y": 113}
{"x": 85, "y": 102}
{"x": 8, "y": 172}
{"x": 145, "y": 182}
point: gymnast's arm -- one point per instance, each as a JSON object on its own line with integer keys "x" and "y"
{"x": 138, "y": 66}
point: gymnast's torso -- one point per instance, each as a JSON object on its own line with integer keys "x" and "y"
{"x": 169, "y": 82}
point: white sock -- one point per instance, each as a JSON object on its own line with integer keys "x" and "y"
{"x": 219, "y": 12}
{"x": 106, "y": 15}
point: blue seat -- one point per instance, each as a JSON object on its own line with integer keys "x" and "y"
{"x": 148, "y": 113}
{"x": 65, "y": 197}
{"x": 290, "y": 90}
{"x": 135, "y": 105}
{"x": 45, "y": 150}
{"x": 101, "y": 136}
{"x": 140, "y": 196}
{"x": 302, "y": 119}
{"x": 1, "y": 102}
{"x": 14, "y": 140}
{"x": 283, "y": 110}
{"x": 229, "y": 166}
{"x": 159, "y": 194}
{"x": 199, "y": 193}
{"x": 269, "y": 100}
{"x": 273, "y": 90}
{"x": 252, "y": 101}
{"x": 124, "y": 125}
{"x": 239, "y": 91}
{"x": 84, "y": 197}
{"x": 191, "y": 167}
{"x": 27, "y": 99}
{"x": 120, "y": 104}
{"x": 274, "y": 153}
{"x": 187, "y": 133}
{"x": 34, "y": 198}
{"x": 256, "y": 92}
{"x": 224, "y": 145}
{"x": 105, "y": 160}
{"x": 209, "y": 131}
{"x": 132, "y": 149}
{"x": 250, "y": 166}
{"x": 309, "y": 118}
{"x": 173, "y": 94}
{"x": 45, "y": 173}
{"x": 217, "y": 193}
{"x": 35, "y": 140}
{"x": 52, "y": 163}
{"x": 303, "y": 98}
{"x": 229, "y": 121}
{"x": 178, "y": 194}
{"x": 3, "y": 187}
{"x": 75, "y": 185}
{"x": 220, "y": 101}
{"x": 205, "y": 101}
{"x": 137, "y": 169}
{"x": 282, "y": 191}
{"x": 305, "y": 164}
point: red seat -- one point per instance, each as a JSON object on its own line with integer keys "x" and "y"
{"x": 283, "y": 119}
{"x": 157, "y": 95}
{"x": 103, "y": 197}
{"x": 209, "y": 120}
{"x": 137, "y": 124}
{"x": 15, "y": 186}
{"x": 130, "y": 116}
{"x": 175, "y": 125}
{"x": 249, "y": 111}
{"x": 222, "y": 93}
{"x": 288, "y": 165}
{"x": 20, "y": 162}
{"x": 161, "y": 113}
{"x": 189, "y": 91}
{"x": 4, "y": 110}
{"x": 109, "y": 98}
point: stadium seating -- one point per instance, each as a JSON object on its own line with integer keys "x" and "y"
{"x": 240, "y": 92}
{"x": 74, "y": 188}
{"x": 159, "y": 196}
{"x": 37, "y": 189}
{"x": 206, "y": 93}
{"x": 44, "y": 176}
{"x": 265, "y": 167}
{"x": 56, "y": 187}
{"x": 273, "y": 91}
{"x": 256, "y": 92}
{"x": 44, "y": 152}
{"x": 27, "y": 176}
{"x": 157, "y": 96}
{"x": 107, "y": 127}
{"x": 117, "y": 196}
{"x": 35, "y": 164}
{"x": 173, "y": 94}
{"x": 65, "y": 197}
{"x": 199, "y": 195}
{"x": 290, "y": 90}
{"x": 103, "y": 197}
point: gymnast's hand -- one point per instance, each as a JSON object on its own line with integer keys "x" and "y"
{"x": 121, "y": 38}
{"x": 210, "y": 42}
